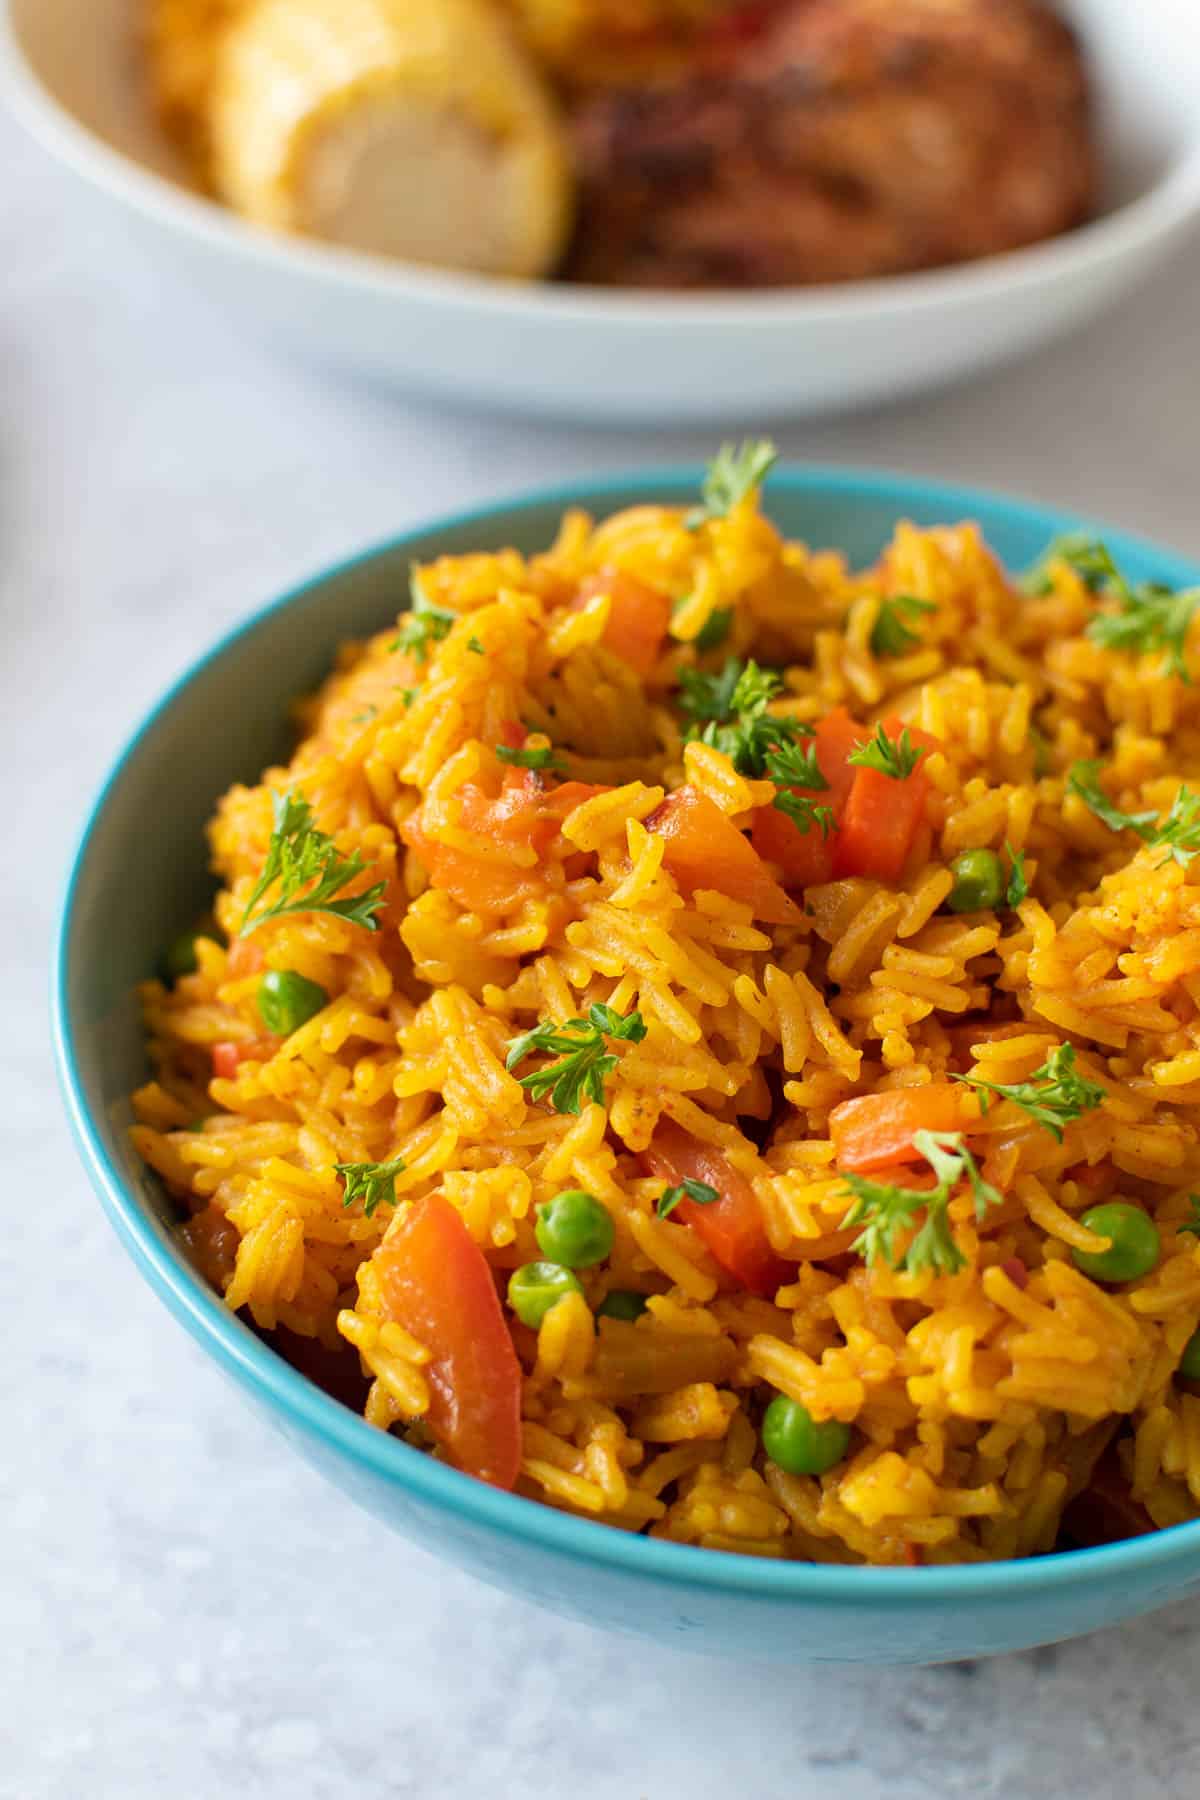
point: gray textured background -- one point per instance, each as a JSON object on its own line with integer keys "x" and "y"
{"x": 187, "y": 1611}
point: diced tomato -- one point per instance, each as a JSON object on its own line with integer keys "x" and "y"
{"x": 1014, "y": 1267}
{"x": 559, "y": 802}
{"x": 804, "y": 858}
{"x": 881, "y": 818}
{"x": 914, "y": 1556}
{"x": 732, "y": 1225}
{"x": 437, "y": 1284}
{"x": 226, "y": 1057}
{"x": 638, "y": 617}
{"x": 524, "y": 814}
{"x": 807, "y": 858}
{"x": 705, "y": 850}
{"x": 245, "y": 957}
{"x": 1099, "y": 1179}
{"x": 837, "y": 735}
{"x": 875, "y": 1130}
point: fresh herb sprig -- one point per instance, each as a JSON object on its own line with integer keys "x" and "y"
{"x": 797, "y": 775}
{"x": 1083, "y": 780}
{"x": 310, "y": 871}
{"x": 1054, "y": 1096}
{"x": 886, "y": 1211}
{"x": 1191, "y": 1224}
{"x": 796, "y": 765}
{"x": 729, "y": 711}
{"x": 734, "y": 472}
{"x": 687, "y": 1189}
{"x": 804, "y": 812}
{"x": 891, "y": 634}
{"x": 1145, "y": 616}
{"x": 1018, "y": 882}
{"x": 538, "y": 756}
{"x": 372, "y": 1183}
{"x": 582, "y": 1061}
{"x": 425, "y": 624}
{"x": 894, "y": 757}
{"x": 1178, "y": 833}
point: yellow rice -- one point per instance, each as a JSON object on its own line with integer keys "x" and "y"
{"x": 979, "y": 1406}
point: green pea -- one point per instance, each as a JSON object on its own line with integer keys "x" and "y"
{"x": 794, "y": 1440}
{"x": 622, "y": 1303}
{"x": 286, "y": 1000}
{"x": 978, "y": 881}
{"x": 1134, "y": 1249}
{"x": 575, "y": 1229}
{"x": 536, "y": 1287}
{"x": 180, "y": 958}
{"x": 1189, "y": 1362}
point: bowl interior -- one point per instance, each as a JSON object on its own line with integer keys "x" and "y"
{"x": 86, "y": 55}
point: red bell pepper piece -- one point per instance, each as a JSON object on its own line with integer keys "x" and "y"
{"x": 437, "y": 1284}
{"x": 704, "y": 849}
{"x": 731, "y": 1225}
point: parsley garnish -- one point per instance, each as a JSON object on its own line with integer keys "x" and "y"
{"x": 732, "y": 474}
{"x": 542, "y": 756}
{"x": 372, "y": 1183}
{"x": 420, "y": 629}
{"x": 1084, "y": 782}
{"x": 426, "y": 624}
{"x": 890, "y": 635}
{"x": 885, "y": 1211}
{"x": 1192, "y": 1224}
{"x": 895, "y": 757}
{"x": 1147, "y": 615}
{"x": 804, "y": 811}
{"x": 796, "y": 765}
{"x": 474, "y": 645}
{"x": 729, "y": 711}
{"x": 1179, "y": 833}
{"x": 583, "y": 1061}
{"x": 299, "y": 854}
{"x": 1054, "y": 1096}
{"x": 1091, "y": 560}
{"x": 709, "y": 696}
{"x": 699, "y": 1191}
{"x": 408, "y": 695}
{"x": 1018, "y": 886}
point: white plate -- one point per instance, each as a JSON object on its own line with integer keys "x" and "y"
{"x": 591, "y": 354}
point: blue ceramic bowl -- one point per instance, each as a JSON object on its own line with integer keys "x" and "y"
{"x": 124, "y": 901}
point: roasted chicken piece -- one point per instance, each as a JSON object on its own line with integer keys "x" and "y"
{"x": 829, "y": 140}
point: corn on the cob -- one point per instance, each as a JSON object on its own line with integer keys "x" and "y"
{"x": 416, "y": 130}
{"x": 183, "y": 43}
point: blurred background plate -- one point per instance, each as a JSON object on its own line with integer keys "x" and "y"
{"x": 600, "y": 354}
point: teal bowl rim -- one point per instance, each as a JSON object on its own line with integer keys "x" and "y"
{"x": 263, "y": 1370}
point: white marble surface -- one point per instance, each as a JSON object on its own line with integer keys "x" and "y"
{"x": 186, "y": 1610}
